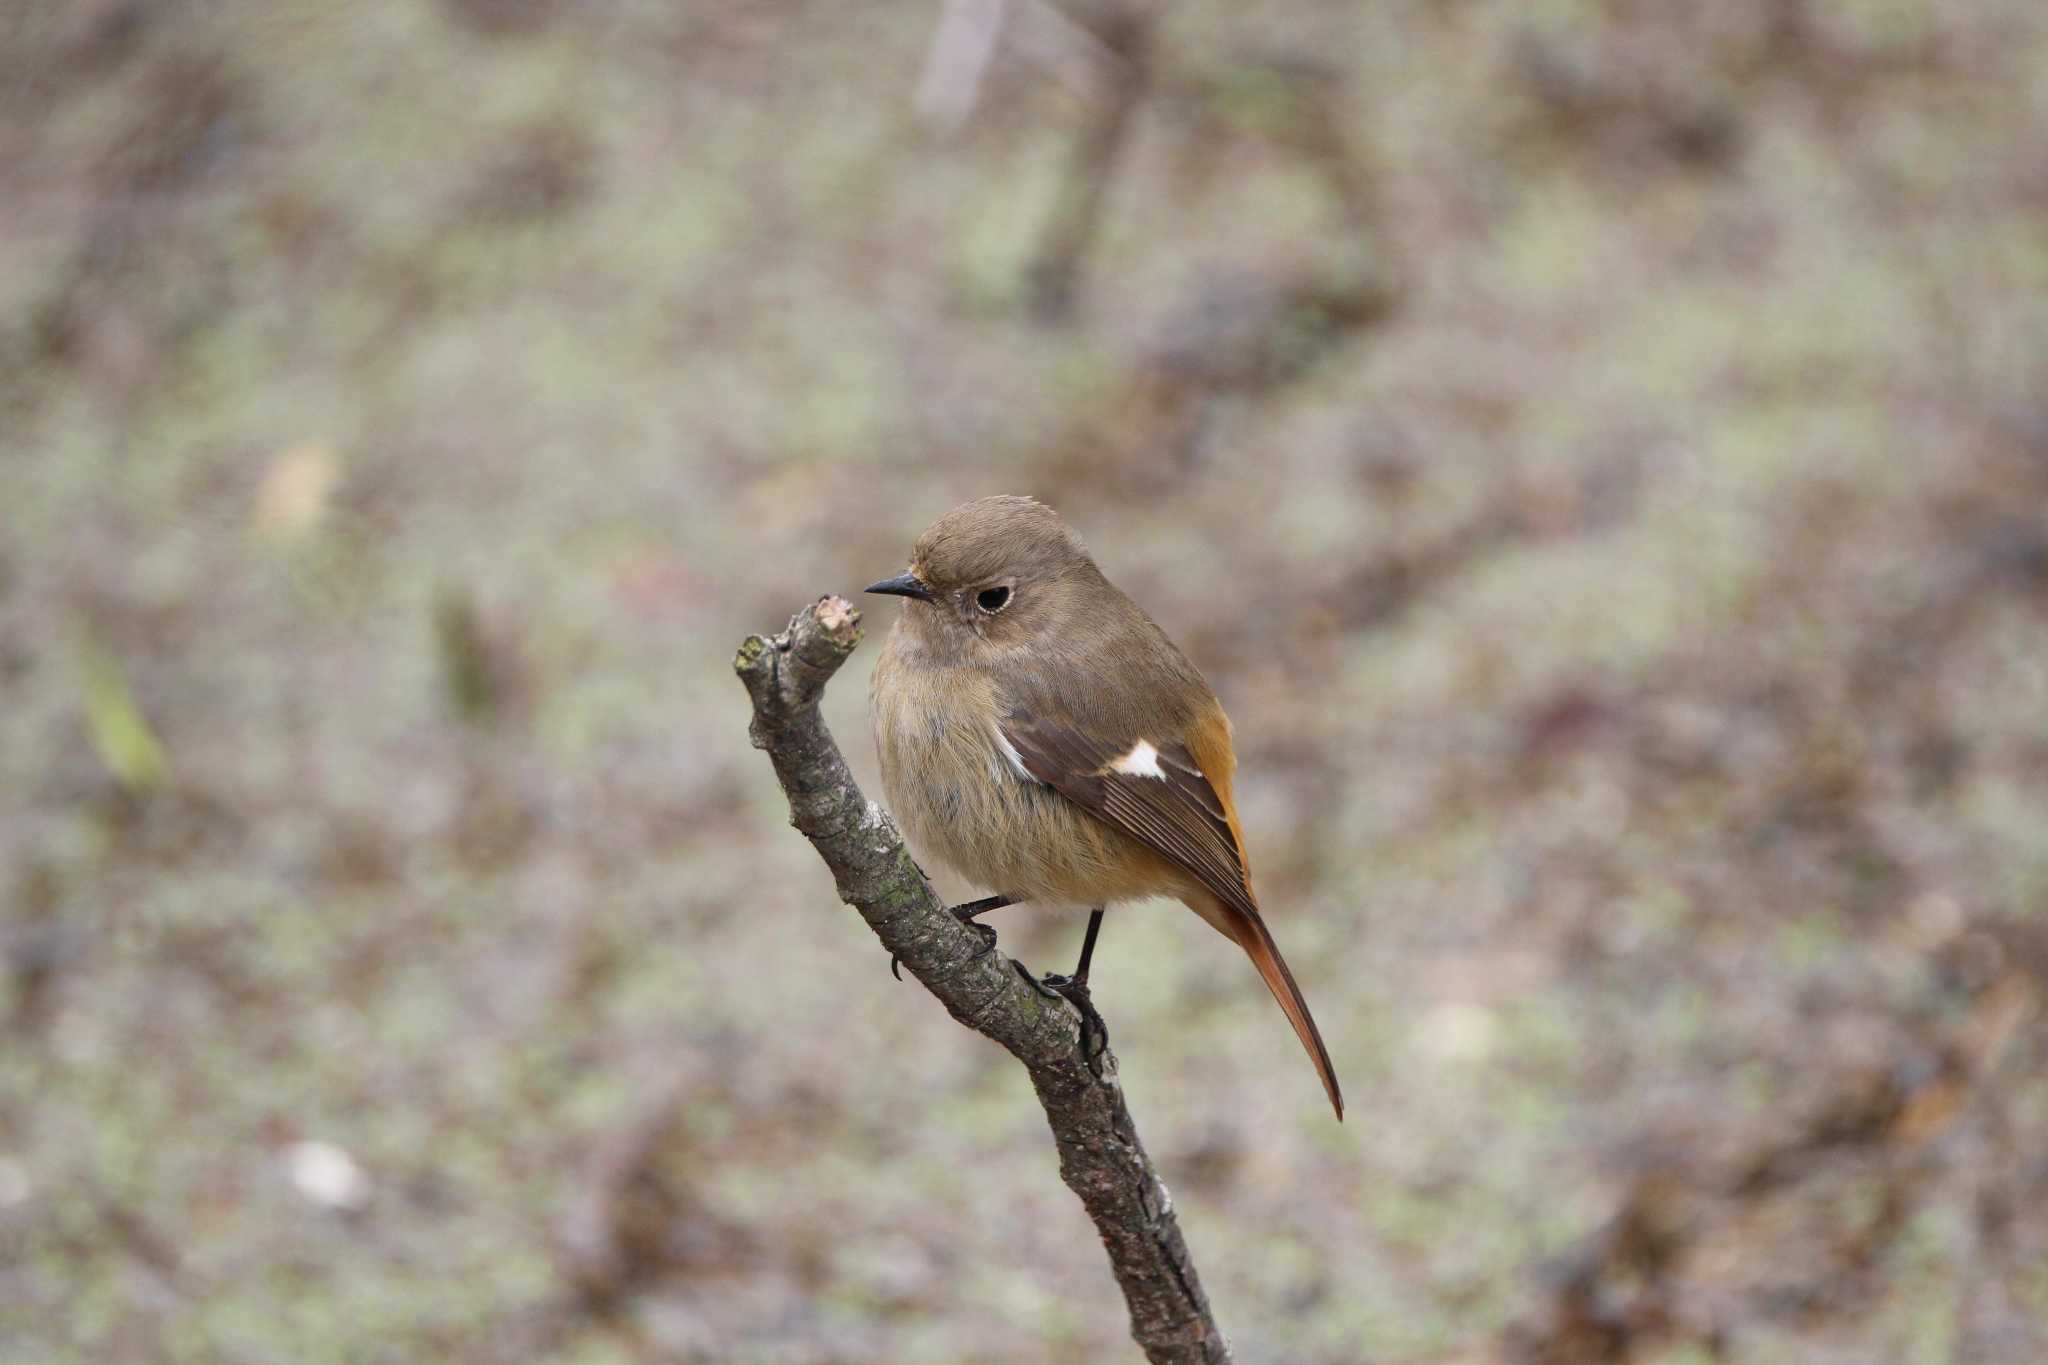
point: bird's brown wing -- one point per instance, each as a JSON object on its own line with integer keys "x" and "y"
{"x": 1149, "y": 787}
{"x": 1153, "y": 789}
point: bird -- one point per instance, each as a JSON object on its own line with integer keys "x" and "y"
{"x": 1041, "y": 736}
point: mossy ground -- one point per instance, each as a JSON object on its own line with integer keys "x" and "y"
{"x": 1637, "y": 639}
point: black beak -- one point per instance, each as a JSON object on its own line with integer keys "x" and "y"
{"x": 902, "y": 585}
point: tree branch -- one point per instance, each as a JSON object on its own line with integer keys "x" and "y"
{"x": 1101, "y": 1158}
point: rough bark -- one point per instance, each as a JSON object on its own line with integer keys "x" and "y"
{"x": 1101, "y": 1158}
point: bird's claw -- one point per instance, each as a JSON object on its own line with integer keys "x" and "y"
{"x": 1094, "y": 1038}
{"x": 988, "y": 945}
{"x": 1034, "y": 983}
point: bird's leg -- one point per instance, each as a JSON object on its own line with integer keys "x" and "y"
{"x": 1088, "y": 946}
{"x": 965, "y": 914}
{"x": 1074, "y": 990}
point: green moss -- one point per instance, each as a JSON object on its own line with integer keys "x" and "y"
{"x": 121, "y": 734}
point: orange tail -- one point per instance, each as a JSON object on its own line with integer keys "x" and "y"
{"x": 1251, "y": 935}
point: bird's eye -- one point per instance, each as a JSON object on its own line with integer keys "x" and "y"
{"x": 992, "y": 600}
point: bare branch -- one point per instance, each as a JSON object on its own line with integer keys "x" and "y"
{"x": 1125, "y": 30}
{"x": 962, "y": 47}
{"x": 1101, "y": 1158}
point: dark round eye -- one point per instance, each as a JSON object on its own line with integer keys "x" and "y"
{"x": 992, "y": 600}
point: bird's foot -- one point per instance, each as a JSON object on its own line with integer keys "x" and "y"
{"x": 1074, "y": 990}
{"x": 966, "y": 915}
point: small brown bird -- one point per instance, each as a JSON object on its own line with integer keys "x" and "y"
{"x": 1043, "y": 738}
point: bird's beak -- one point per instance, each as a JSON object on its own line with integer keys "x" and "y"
{"x": 902, "y": 585}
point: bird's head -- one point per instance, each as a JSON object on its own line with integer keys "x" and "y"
{"x": 999, "y": 570}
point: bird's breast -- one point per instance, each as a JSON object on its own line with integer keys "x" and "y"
{"x": 961, "y": 794}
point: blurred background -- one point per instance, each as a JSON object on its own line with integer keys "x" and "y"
{"x": 1598, "y": 449}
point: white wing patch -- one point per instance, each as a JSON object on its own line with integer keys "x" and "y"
{"x": 1141, "y": 761}
{"x": 1010, "y": 754}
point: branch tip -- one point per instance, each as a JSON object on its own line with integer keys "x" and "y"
{"x": 840, "y": 618}
{"x": 749, "y": 655}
